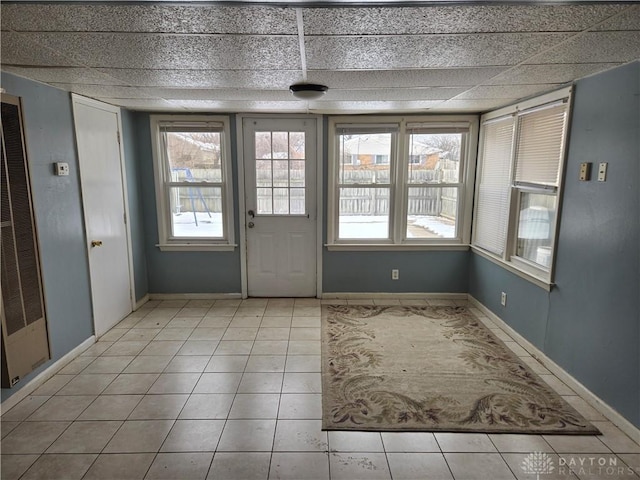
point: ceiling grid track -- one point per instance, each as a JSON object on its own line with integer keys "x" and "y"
{"x": 303, "y": 53}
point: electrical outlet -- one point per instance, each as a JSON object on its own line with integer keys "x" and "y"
{"x": 395, "y": 274}
{"x": 503, "y": 299}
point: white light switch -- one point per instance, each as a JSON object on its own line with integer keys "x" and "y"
{"x": 602, "y": 172}
{"x": 62, "y": 168}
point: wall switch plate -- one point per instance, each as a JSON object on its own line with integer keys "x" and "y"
{"x": 585, "y": 172}
{"x": 61, "y": 168}
{"x": 602, "y": 172}
{"x": 395, "y": 274}
{"x": 503, "y": 299}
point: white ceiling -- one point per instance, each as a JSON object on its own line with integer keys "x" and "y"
{"x": 243, "y": 57}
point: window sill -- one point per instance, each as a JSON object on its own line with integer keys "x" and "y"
{"x": 539, "y": 281}
{"x": 361, "y": 247}
{"x": 196, "y": 247}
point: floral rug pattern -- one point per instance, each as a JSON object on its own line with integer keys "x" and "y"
{"x": 431, "y": 368}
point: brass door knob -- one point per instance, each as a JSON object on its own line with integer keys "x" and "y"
{"x": 96, "y": 243}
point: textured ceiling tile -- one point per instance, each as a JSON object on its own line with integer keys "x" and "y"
{"x": 226, "y": 94}
{"x": 149, "y": 18}
{"x": 555, "y": 73}
{"x": 471, "y": 105}
{"x": 64, "y": 75}
{"x": 141, "y": 103}
{"x": 240, "y": 106}
{"x": 594, "y": 47}
{"x": 629, "y": 20}
{"x": 252, "y": 79}
{"x": 425, "y": 51}
{"x": 504, "y": 91}
{"x": 454, "y": 19}
{"x": 120, "y": 50}
{"x": 392, "y": 94}
{"x": 112, "y": 91}
{"x": 20, "y": 50}
{"x": 404, "y": 78}
{"x": 378, "y": 106}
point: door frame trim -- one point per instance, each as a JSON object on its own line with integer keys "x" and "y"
{"x": 89, "y": 102}
{"x": 241, "y": 193}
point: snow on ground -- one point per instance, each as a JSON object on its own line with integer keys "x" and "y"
{"x": 351, "y": 227}
{"x": 442, "y": 227}
{"x": 372, "y": 226}
{"x": 184, "y": 224}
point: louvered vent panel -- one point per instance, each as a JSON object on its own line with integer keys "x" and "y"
{"x": 11, "y": 299}
{"x": 22, "y": 215}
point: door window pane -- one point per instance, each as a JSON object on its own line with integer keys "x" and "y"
{"x": 432, "y": 212}
{"x": 296, "y": 145}
{"x": 263, "y": 144}
{"x": 280, "y": 173}
{"x": 364, "y": 213}
{"x": 280, "y": 144}
{"x": 196, "y": 211}
{"x": 264, "y": 198}
{"x": 297, "y": 201}
{"x": 364, "y": 158}
{"x": 434, "y": 158}
{"x": 263, "y": 173}
{"x": 296, "y": 173}
{"x": 535, "y": 227}
{"x": 280, "y": 201}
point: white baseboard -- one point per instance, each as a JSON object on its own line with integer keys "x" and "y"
{"x": 591, "y": 398}
{"x": 401, "y": 296}
{"x": 29, "y": 387}
{"x": 194, "y": 296}
{"x": 141, "y": 302}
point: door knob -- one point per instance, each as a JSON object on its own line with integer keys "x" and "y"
{"x": 251, "y": 225}
{"x": 96, "y": 243}
{"x": 251, "y": 213}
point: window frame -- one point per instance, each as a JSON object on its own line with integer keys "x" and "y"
{"x": 399, "y": 162}
{"x": 509, "y": 258}
{"x": 164, "y": 183}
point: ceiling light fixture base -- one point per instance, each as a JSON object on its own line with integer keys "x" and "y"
{"x": 308, "y": 91}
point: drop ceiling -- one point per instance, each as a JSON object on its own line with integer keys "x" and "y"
{"x": 242, "y": 57}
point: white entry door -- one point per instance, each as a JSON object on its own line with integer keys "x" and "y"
{"x": 97, "y": 127}
{"x": 280, "y": 215}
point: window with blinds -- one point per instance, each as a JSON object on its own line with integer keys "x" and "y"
{"x": 540, "y": 144}
{"x": 517, "y": 189}
{"x": 493, "y": 186}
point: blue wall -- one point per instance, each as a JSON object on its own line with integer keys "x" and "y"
{"x": 131, "y": 145}
{"x": 180, "y": 272}
{"x": 420, "y": 271}
{"x": 590, "y": 322}
{"x": 58, "y": 210}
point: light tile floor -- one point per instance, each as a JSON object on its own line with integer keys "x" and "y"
{"x": 231, "y": 389}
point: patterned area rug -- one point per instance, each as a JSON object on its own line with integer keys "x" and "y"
{"x": 402, "y": 368}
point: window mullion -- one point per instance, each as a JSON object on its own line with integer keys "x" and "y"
{"x": 509, "y": 248}
{"x": 401, "y": 196}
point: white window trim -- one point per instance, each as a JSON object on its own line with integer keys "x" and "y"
{"x": 509, "y": 260}
{"x": 399, "y": 184}
{"x": 166, "y": 243}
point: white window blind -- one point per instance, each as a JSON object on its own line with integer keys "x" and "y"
{"x": 539, "y": 146}
{"x": 495, "y": 181}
